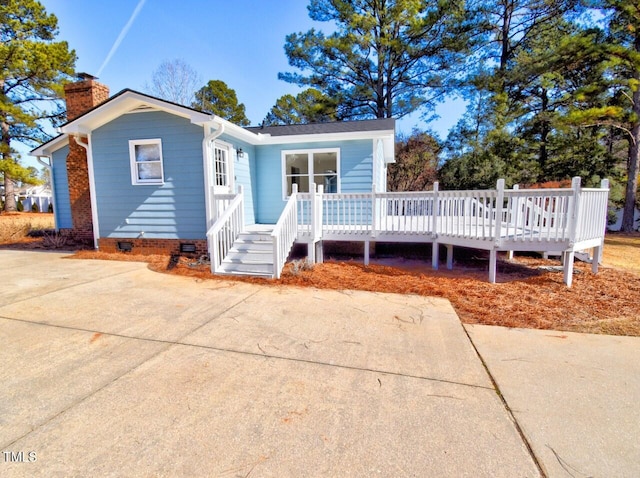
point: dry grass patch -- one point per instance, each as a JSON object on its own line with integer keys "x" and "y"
{"x": 15, "y": 227}
{"x": 622, "y": 250}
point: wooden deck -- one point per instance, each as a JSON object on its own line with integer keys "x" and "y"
{"x": 560, "y": 221}
{"x": 538, "y": 220}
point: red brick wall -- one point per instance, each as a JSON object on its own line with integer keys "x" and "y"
{"x": 80, "y": 98}
{"x": 78, "y": 174}
{"x": 153, "y": 246}
{"x": 84, "y": 95}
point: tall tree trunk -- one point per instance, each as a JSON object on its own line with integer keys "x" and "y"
{"x": 632, "y": 173}
{"x": 544, "y": 130}
{"x": 505, "y": 40}
{"x": 9, "y": 194}
{"x": 633, "y": 165}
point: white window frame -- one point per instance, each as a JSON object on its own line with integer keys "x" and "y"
{"x": 311, "y": 174}
{"x": 231, "y": 153}
{"x": 135, "y": 180}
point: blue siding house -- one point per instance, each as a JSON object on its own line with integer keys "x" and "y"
{"x": 134, "y": 173}
{"x": 157, "y": 176}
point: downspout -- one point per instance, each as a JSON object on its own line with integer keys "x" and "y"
{"x": 208, "y": 187}
{"x": 92, "y": 187}
{"x": 54, "y": 205}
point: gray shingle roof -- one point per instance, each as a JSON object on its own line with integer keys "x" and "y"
{"x": 319, "y": 128}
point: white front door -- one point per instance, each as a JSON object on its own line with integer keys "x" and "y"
{"x": 222, "y": 168}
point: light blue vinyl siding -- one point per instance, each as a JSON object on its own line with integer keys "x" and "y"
{"x": 62, "y": 206}
{"x": 244, "y": 172}
{"x": 174, "y": 210}
{"x": 356, "y": 173}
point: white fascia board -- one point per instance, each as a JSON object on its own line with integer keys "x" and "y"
{"x": 326, "y": 137}
{"x": 50, "y": 147}
{"x": 126, "y": 103}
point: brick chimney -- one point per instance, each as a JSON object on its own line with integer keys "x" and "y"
{"x": 80, "y": 97}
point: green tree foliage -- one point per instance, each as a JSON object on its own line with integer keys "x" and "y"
{"x": 522, "y": 97}
{"x": 33, "y": 69}
{"x": 385, "y": 58}
{"x": 308, "y": 106}
{"x": 217, "y": 98}
{"x": 619, "y": 56}
{"x": 416, "y": 163}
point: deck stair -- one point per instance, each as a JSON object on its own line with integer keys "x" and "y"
{"x": 251, "y": 254}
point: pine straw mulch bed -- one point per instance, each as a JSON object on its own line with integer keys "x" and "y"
{"x": 525, "y": 295}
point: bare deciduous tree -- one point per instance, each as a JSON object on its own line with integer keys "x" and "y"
{"x": 174, "y": 80}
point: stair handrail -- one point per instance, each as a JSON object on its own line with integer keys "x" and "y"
{"x": 285, "y": 232}
{"x": 227, "y": 228}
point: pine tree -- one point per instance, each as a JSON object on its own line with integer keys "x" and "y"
{"x": 385, "y": 58}
{"x": 33, "y": 69}
{"x": 308, "y": 106}
{"x": 217, "y": 98}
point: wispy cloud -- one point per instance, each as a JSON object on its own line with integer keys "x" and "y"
{"x": 121, "y": 37}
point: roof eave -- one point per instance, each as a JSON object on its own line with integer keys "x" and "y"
{"x": 126, "y": 102}
{"x": 51, "y": 146}
{"x": 315, "y": 137}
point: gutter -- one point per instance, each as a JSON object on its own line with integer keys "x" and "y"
{"x": 92, "y": 187}
{"x": 207, "y": 165}
{"x": 49, "y": 166}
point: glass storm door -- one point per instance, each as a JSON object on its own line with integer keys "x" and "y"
{"x": 222, "y": 174}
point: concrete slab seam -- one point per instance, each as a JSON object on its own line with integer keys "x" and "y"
{"x": 252, "y": 354}
{"x": 168, "y": 344}
{"x": 519, "y": 429}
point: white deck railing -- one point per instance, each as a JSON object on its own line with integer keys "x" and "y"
{"x": 592, "y": 213}
{"x": 467, "y": 214}
{"x": 285, "y": 233}
{"x": 227, "y": 227}
{"x": 498, "y": 217}
{"x": 539, "y": 215}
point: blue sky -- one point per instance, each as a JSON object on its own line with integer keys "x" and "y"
{"x": 237, "y": 41}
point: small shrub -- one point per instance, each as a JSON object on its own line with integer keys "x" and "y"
{"x": 300, "y": 265}
{"x": 20, "y": 206}
{"x": 54, "y": 240}
{"x": 35, "y": 207}
{"x": 50, "y": 208}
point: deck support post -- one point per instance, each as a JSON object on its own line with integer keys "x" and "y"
{"x": 568, "y": 266}
{"x": 435, "y": 255}
{"x": 595, "y": 259}
{"x": 492, "y": 265}
{"x": 311, "y": 252}
{"x": 366, "y": 252}
{"x": 319, "y": 252}
{"x": 449, "y": 256}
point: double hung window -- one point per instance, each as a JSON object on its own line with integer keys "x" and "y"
{"x": 146, "y": 161}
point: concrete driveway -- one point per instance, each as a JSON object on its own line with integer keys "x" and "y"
{"x": 110, "y": 369}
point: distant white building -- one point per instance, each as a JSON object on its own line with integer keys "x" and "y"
{"x": 39, "y": 195}
{"x": 618, "y": 224}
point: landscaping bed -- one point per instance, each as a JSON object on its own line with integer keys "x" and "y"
{"x": 530, "y": 292}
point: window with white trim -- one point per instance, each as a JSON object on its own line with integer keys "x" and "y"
{"x": 305, "y": 167}
{"x": 146, "y": 161}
